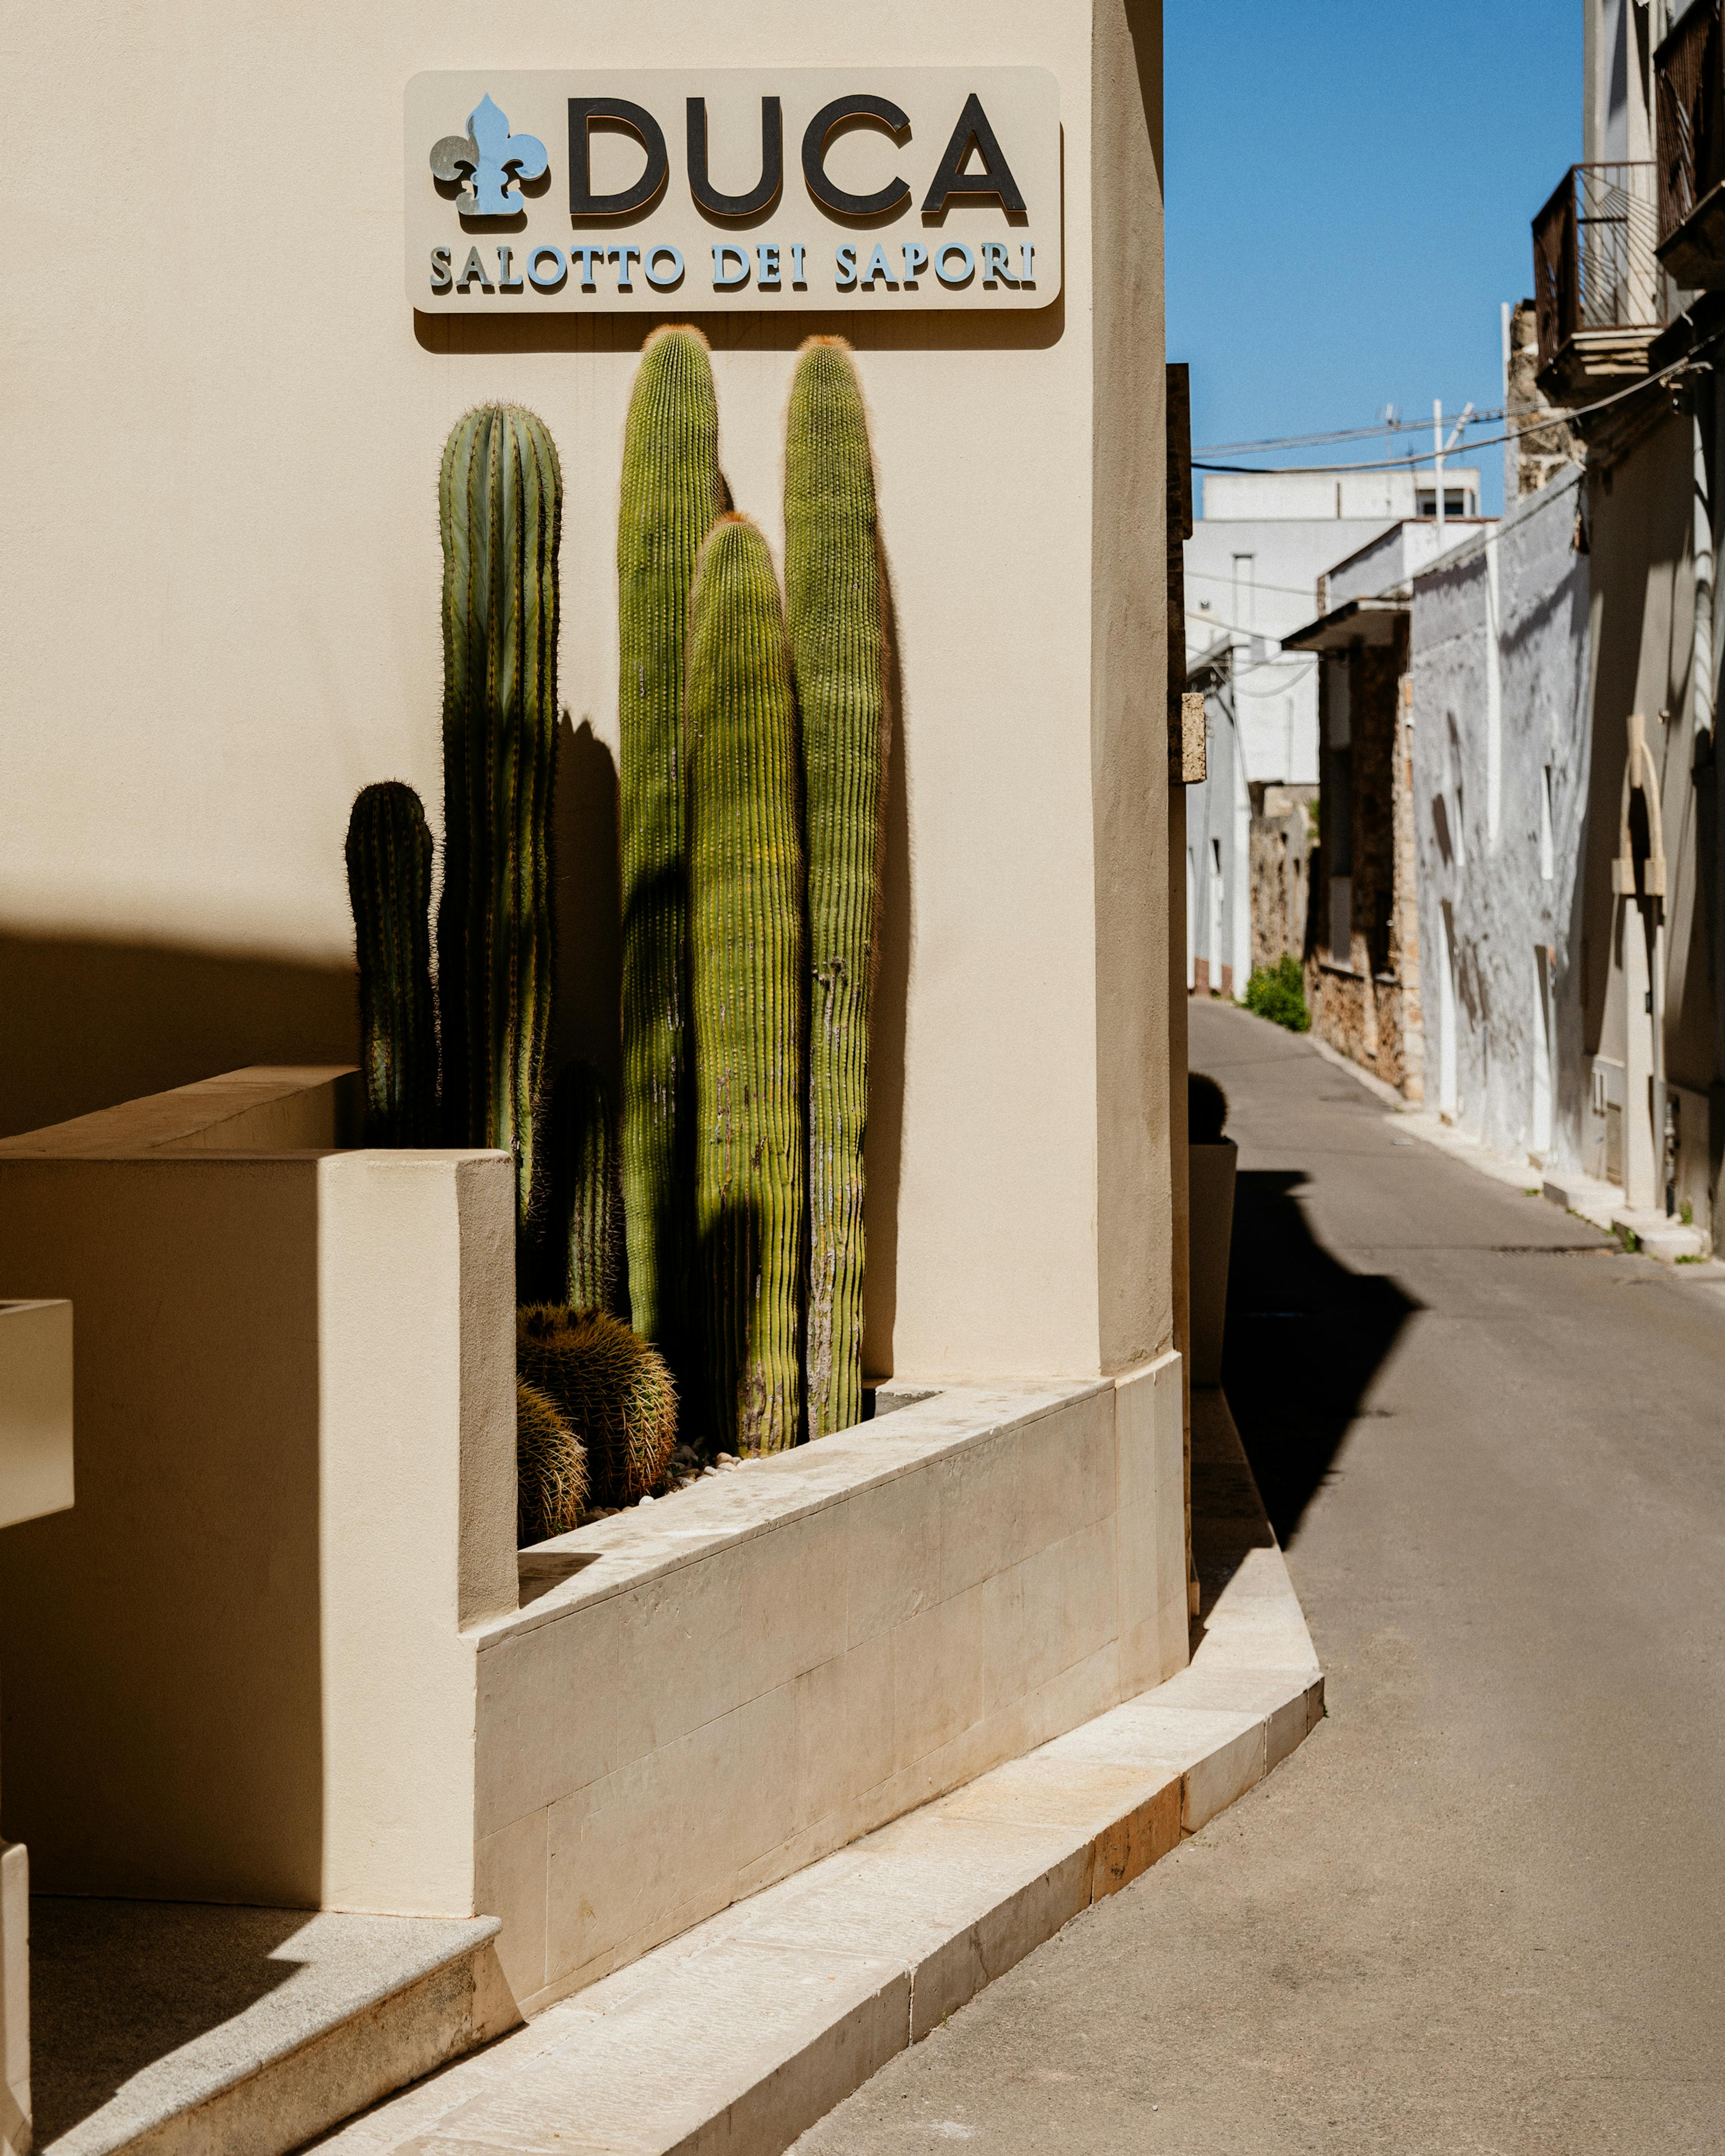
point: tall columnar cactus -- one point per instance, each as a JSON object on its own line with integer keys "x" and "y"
{"x": 832, "y": 603}
{"x": 587, "y": 1223}
{"x": 500, "y": 503}
{"x": 671, "y": 494}
{"x": 389, "y": 885}
{"x": 746, "y": 983}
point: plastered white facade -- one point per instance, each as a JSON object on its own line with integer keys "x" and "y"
{"x": 1499, "y": 641}
{"x": 1218, "y": 817}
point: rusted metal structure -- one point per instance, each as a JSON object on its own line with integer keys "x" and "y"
{"x": 1600, "y": 290}
{"x": 1689, "y": 95}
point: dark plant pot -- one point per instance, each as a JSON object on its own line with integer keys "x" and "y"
{"x": 1212, "y": 1215}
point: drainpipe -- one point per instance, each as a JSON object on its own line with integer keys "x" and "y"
{"x": 1702, "y": 672}
{"x": 1704, "y": 757}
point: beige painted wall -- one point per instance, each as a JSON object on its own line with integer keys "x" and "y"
{"x": 220, "y": 442}
{"x": 237, "y": 1669}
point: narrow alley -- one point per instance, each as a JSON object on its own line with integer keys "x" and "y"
{"x": 1479, "y": 1910}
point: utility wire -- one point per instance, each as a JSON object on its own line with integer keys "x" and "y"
{"x": 1256, "y": 635}
{"x": 1334, "y": 435}
{"x": 1292, "y": 591}
{"x": 1551, "y": 417}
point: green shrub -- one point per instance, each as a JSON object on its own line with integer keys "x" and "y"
{"x": 1278, "y": 993}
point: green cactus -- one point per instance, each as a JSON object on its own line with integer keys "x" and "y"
{"x": 588, "y": 1221}
{"x": 746, "y": 991}
{"x": 612, "y": 1389}
{"x": 671, "y": 494}
{"x": 500, "y": 503}
{"x": 550, "y": 1469}
{"x": 833, "y": 609}
{"x": 389, "y": 885}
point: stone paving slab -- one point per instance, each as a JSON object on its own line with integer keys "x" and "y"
{"x": 735, "y": 2038}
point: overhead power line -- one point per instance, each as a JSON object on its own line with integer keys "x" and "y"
{"x": 1550, "y": 417}
{"x": 1333, "y": 435}
{"x": 1258, "y": 583}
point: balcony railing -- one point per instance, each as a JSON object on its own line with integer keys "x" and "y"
{"x": 1689, "y": 94}
{"x": 1594, "y": 263}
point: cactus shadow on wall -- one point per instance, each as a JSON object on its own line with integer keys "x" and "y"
{"x": 589, "y": 919}
{"x": 725, "y": 1283}
{"x": 661, "y": 896}
{"x": 884, "y": 1142}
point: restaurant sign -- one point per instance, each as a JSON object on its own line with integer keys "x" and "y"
{"x": 689, "y": 190}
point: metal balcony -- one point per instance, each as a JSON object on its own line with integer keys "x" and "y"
{"x": 1689, "y": 93}
{"x": 1601, "y": 293}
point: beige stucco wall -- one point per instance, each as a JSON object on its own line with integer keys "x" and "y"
{"x": 237, "y": 1669}
{"x": 220, "y": 442}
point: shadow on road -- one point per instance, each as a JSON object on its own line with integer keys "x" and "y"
{"x": 1306, "y": 1338}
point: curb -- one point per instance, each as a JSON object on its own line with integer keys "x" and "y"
{"x": 1600, "y": 1204}
{"x": 734, "y": 2039}
{"x": 1369, "y": 1079}
{"x": 1430, "y": 1129}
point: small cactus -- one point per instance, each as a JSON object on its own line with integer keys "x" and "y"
{"x": 671, "y": 493}
{"x": 835, "y": 612}
{"x": 746, "y": 994}
{"x": 389, "y": 885}
{"x": 550, "y": 1469}
{"x": 613, "y": 1390}
{"x": 500, "y": 506}
{"x": 587, "y": 1216}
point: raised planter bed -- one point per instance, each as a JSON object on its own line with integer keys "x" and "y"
{"x": 284, "y": 1649}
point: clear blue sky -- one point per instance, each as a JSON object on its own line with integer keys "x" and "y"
{"x": 1350, "y": 188}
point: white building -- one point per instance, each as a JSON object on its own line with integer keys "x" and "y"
{"x": 1262, "y": 560}
{"x": 1501, "y": 771}
{"x": 1253, "y": 564}
{"x": 1219, "y": 823}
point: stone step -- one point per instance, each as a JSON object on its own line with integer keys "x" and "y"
{"x": 165, "y": 2026}
{"x": 1657, "y": 1235}
{"x": 733, "y": 2039}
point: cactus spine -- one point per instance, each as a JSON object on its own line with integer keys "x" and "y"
{"x": 589, "y": 1217}
{"x": 613, "y": 1391}
{"x": 389, "y": 885}
{"x": 832, "y": 603}
{"x": 550, "y": 1469}
{"x": 671, "y": 494}
{"x": 746, "y": 952}
{"x": 501, "y": 502}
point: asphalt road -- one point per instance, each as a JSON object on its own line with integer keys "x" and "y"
{"x": 1482, "y": 1909}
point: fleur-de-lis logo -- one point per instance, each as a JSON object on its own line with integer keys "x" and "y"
{"x": 486, "y": 158}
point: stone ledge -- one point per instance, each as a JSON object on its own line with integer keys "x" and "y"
{"x": 1657, "y": 1235}
{"x": 742, "y": 2033}
{"x": 646, "y": 1542}
{"x": 176, "y": 2027}
{"x": 1586, "y": 1196}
